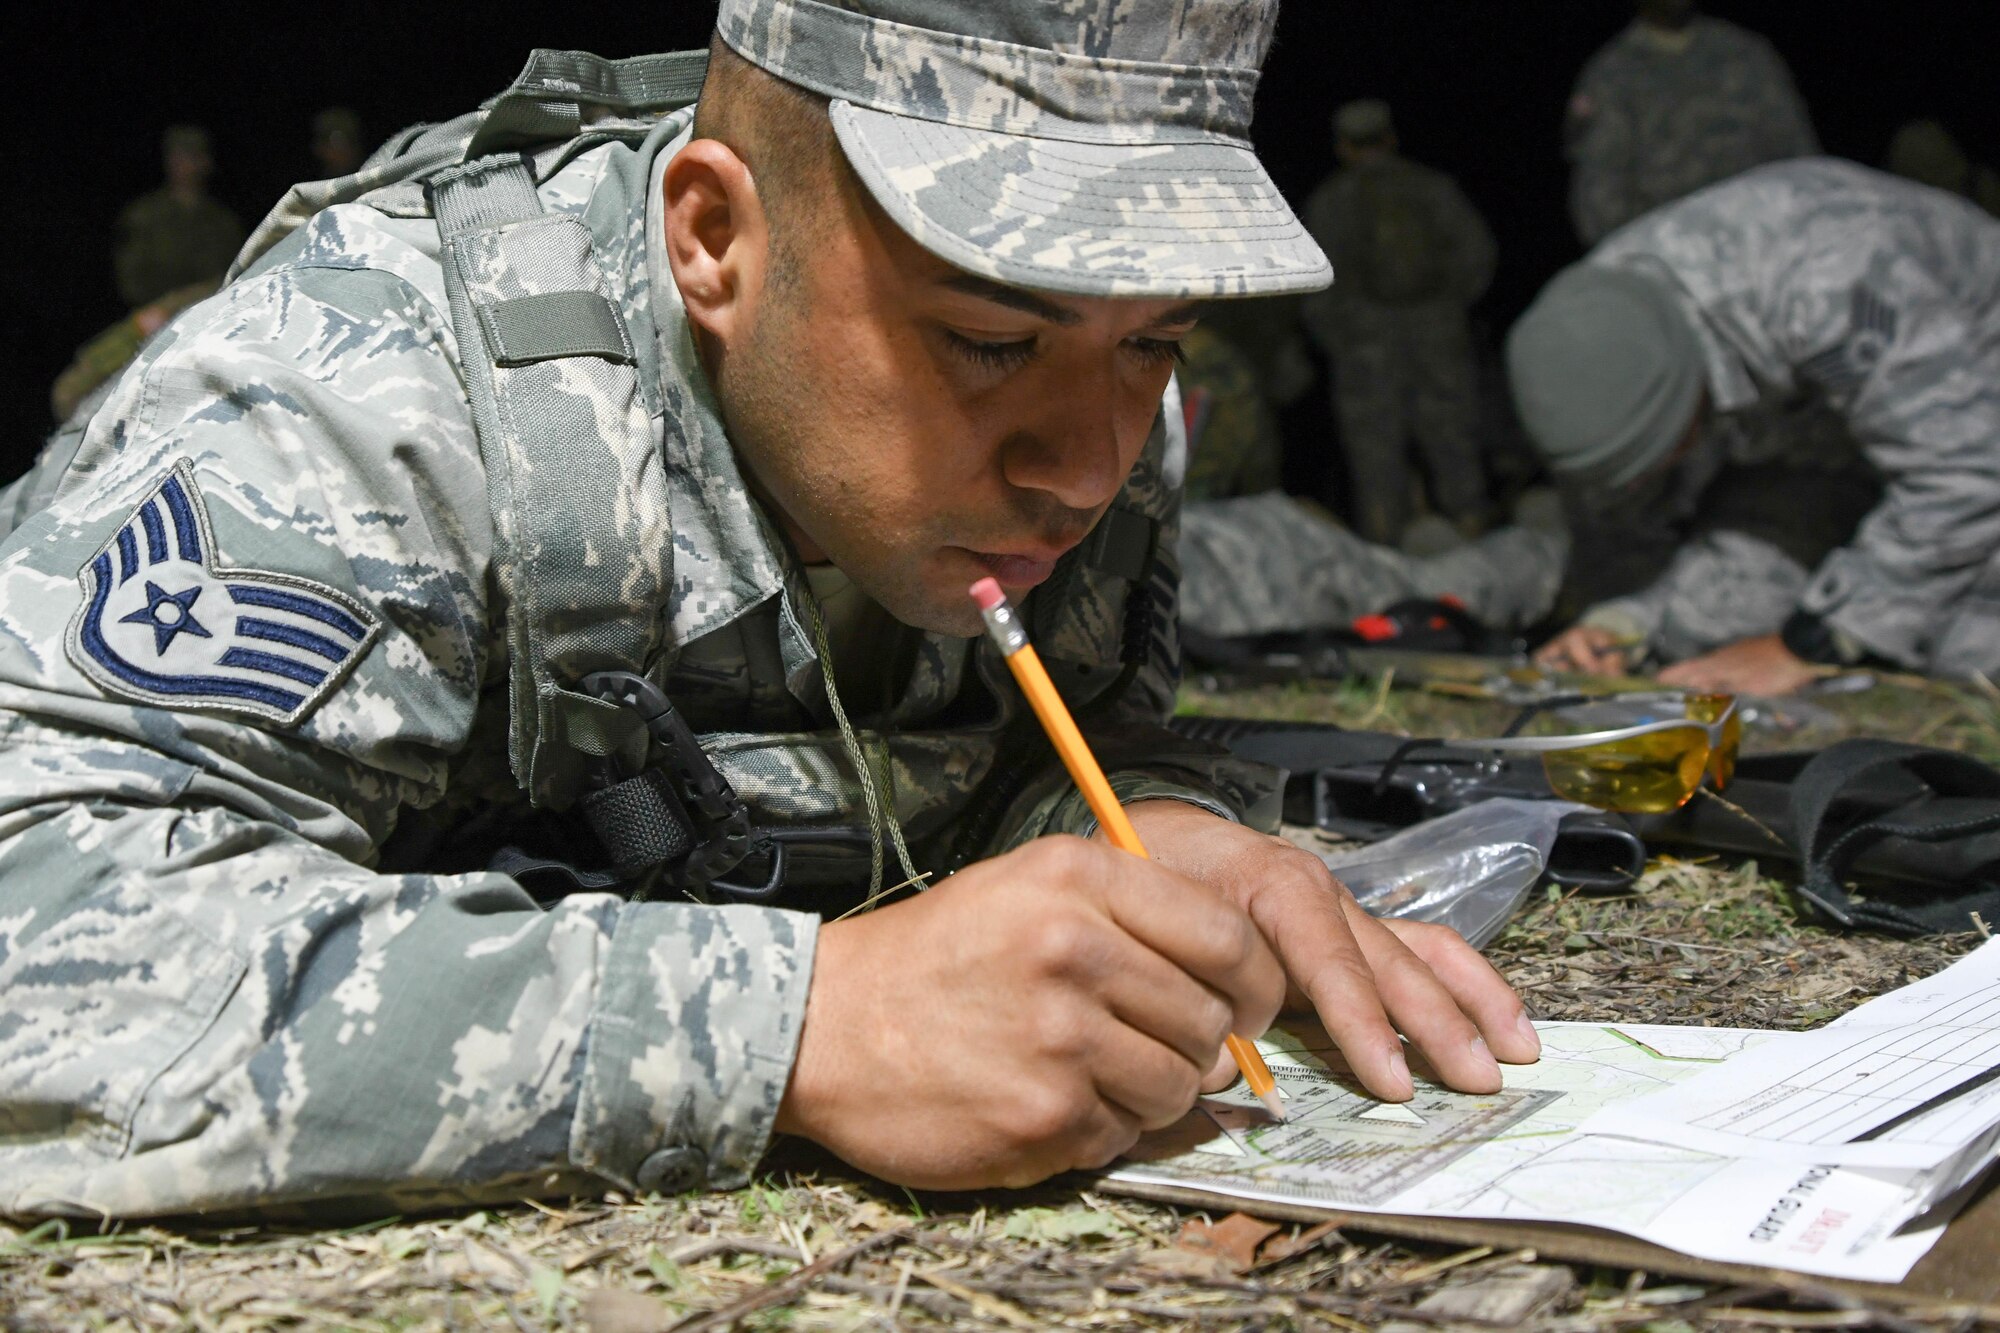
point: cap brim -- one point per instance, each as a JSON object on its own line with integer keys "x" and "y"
{"x": 1166, "y": 220}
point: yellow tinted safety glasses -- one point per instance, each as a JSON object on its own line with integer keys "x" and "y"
{"x": 1643, "y": 769}
{"x": 1647, "y": 768}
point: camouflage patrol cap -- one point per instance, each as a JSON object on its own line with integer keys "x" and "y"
{"x": 1097, "y": 147}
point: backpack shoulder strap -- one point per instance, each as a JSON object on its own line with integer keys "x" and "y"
{"x": 582, "y": 555}
{"x": 548, "y": 99}
{"x": 547, "y": 103}
{"x": 583, "y": 552}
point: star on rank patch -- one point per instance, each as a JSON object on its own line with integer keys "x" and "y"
{"x": 163, "y": 622}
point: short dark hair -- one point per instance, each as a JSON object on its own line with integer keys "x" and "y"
{"x": 780, "y": 130}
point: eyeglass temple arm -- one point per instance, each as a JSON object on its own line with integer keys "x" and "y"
{"x": 1528, "y": 712}
{"x": 1396, "y": 759}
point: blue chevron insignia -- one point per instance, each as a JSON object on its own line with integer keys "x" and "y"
{"x": 163, "y": 622}
{"x": 1871, "y": 330}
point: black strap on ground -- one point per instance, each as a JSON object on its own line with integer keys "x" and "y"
{"x": 1953, "y": 796}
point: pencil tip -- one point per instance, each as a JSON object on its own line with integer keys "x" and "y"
{"x": 1273, "y": 1104}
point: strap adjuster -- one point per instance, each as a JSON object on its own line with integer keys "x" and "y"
{"x": 679, "y": 818}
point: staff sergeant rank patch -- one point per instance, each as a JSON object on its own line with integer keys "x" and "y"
{"x": 163, "y": 623}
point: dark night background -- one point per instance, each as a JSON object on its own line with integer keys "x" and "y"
{"x": 1478, "y": 88}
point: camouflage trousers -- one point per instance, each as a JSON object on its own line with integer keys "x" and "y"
{"x": 1404, "y": 375}
{"x": 1270, "y": 562}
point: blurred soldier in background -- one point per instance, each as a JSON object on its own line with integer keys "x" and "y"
{"x": 1410, "y": 254}
{"x": 1925, "y": 151}
{"x": 1255, "y": 560}
{"x": 1674, "y": 102}
{"x": 1234, "y": 447}
{"x": 177, "y": 235}
{"x": 171, "y": 250}
{"x": 1269, "y": 334}
{"x": 1736, "y": 327}
{"x": 336, "y": 142}
{"x": 108, "y": 352}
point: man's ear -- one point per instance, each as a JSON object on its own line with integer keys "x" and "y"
{"x": 718, "y": 237}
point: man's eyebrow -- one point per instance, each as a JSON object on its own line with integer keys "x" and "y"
{"x": 1014, "y": 298}
{"x": 1182, "y": 314}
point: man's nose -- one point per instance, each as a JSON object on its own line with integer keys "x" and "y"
{"x": 1072, "y": 451}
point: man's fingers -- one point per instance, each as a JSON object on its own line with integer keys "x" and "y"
{"x": 1111, "y": 1132}
{"x": 1481, "y": 993}
{"x": 1221, "y": 1073}
{"x": 1554, "y": 654}
{"x": 1425, "y": 1009}
{"x": 1321, "y": 954}
{"x": 1154, "y": 1083}
{"x": 1582, "y": 650}
{"x": 1067, "y": 1138}
{"x": 1151, "y": 995}
{"x": 1600, "y": 659}
{"x": 1198, "y": 931}
{"x": 1589, "y": 650}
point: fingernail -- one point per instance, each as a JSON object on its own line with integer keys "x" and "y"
{"x": 1485, "y": 1056}
{"x": 1526, "y": 1027}
{"x": 1399, "y": 1076}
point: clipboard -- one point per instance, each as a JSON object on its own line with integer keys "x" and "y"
{"x": 1961, "y": 1274}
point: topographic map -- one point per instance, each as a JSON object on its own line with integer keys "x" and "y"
{"x": 1519, "y": 1153}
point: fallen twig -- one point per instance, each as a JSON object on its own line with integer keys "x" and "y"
{"x": 788, "y": 1288}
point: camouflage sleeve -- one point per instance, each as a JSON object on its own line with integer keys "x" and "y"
{"x": 207, "y": 1012}
{"x": 251, "y": 628}
{"x": 1720, "y": 587}
{"x": 1597, "y": 132}
{"x": 1921, "y": 388}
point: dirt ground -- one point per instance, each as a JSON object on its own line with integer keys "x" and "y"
{"x": 813, "y": 1246}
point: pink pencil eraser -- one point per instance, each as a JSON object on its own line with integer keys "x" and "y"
{"x": 987, "y": 593}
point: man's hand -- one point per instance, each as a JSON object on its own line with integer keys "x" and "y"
{"x": 1590, "y": 650}
{"x": 1366, "y": 978}
{"x": 1031, "y": 1014}
{"x": 1762, "y": 665}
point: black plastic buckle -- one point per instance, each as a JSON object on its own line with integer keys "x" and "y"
{"x": 722, "y": 835}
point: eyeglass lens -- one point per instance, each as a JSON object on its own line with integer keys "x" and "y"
{"x": 1648, "y": 774}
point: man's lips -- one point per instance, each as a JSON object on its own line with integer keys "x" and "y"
{"x": 1017, "y": 569}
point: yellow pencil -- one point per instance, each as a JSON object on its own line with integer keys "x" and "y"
{"x": 1033, "y": 678}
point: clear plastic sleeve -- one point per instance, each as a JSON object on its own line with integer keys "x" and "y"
{"x": 1469, "y": 870}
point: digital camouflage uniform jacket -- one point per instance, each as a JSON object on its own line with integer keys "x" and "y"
{"x": 1647, "y": 125}
{"x": 1818, "y": 283}
{"x": 213, "y": 1000}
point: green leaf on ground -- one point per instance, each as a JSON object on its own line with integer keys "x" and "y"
{"x": 1063, "y": 1226}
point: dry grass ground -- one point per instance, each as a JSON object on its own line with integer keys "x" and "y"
{"x": 812, "y": 1246}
